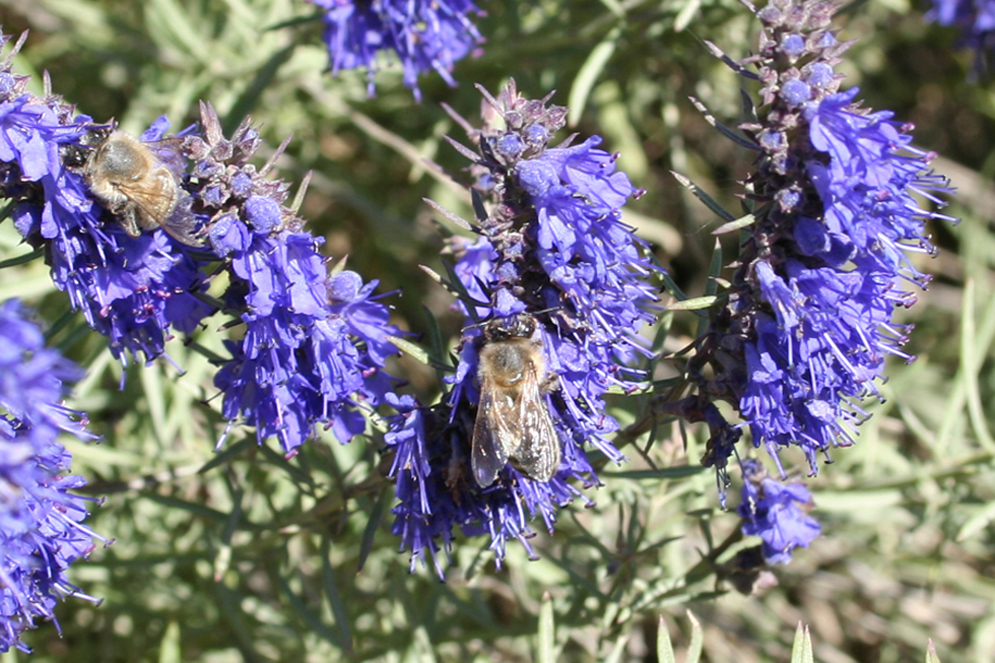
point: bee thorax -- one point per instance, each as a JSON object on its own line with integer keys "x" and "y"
{"x": 507, "y": 361}
{"x": 120, "y": 161}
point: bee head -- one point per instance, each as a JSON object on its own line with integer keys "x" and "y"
{"x": 521, "y": 325}
{"x": 76, "y": 155}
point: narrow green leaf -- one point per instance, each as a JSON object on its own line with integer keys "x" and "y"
{"x": 575, "y": 579}
{"x": 253, "y": 92}
{"x": 421, "y": 645}
{"x": 412, "y": 349}
{"x": 671, "y": 286}
{"x": 193, "y": 508}
{"x": 547, "y": 631}
{"x": 334, "y": 596}
{"x": 978, "y": 522}
{"x": 971, "y": 348}
{"x": 170, "y": 650}
{"x": 664, "y": 647}
{"x": 808, "y": 656}
{"x": 630, "y": 389}
{"x": 694, "y": 304}
{"x": 697, "y": 639}
{"x": 701, "y": 195}
{"x": 931, "y": 656}
{"x": 231, "y": 613}
{"x": 309, "y": 616}
{"x": 302, "y": 188}
{"x": 434, "y": 335}
{"x": 462, "y": 293}
{"x": 154, "y": 393}
{"x": 23, "y": 258}
{"x": 618, "y": 649}
{"x": 230, "y": 452}
{"x": 372, "y": 525}
{"x": 711, "y": 285}
{"x": 738, "y": 224}
{"x": 479, "y": 210}
{"x": 798, "y": 645}
{"x": 291, "y": 22}
{"x": 453, "y": 217}
{"x": 8, "y": 208}
{"x": 724, "y": 130}
{"x": 281, "y": 461}
{"x": 688, "y": 12}
{"x": 615, "y": 7}
{"x": 801, "y": 648}
{"x": 588, "y": 74}
{"x": 680, "y": 472}
{"x": 67, "y": 316}
{"x": 172, "y": 21}
{"x": 223, "y": 560}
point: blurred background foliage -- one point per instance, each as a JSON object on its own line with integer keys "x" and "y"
{"x": 246, "y": 556}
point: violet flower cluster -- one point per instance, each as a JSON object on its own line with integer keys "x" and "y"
{"x": 809, "y": 321}
{"x": 425, "y": 35}
{"x": 975, "y": 19}
{"x": 41, "y": 530}
{"x": 132, "y": 290}
{"x": 552, "y": 251}
{"x": 314, "y": 342}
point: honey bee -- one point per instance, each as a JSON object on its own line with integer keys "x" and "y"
{"x": 513, "y": 420}
{"x": 136, "y": 185}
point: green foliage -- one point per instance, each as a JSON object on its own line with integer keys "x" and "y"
{"x": 245, "y": 555}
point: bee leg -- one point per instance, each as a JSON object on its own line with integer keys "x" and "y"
{"x": 550, "y": 384}
{"x": 128, "y": 218}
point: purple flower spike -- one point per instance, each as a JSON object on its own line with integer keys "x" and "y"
{"x": 314, "y": 343}
{"x": 563, "y": 287}
{"x": 425, "y": 35}
{"x": 41, "y": 530}
{"x": 842, "y": 200}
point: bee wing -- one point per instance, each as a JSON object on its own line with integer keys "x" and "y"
{"x": 494, "y": 434}
{"x": 154, "y": 197}
{"x": 182, "y": 224}
{"x": 538, "y": 452}
{"x": 161, "y": 204}
{"x": 168, "y": 152}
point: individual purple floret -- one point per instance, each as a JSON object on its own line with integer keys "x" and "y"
{"x": 776, "y": 512}
{"x": 424, "y": 34}
{"x": 975, "y": 19}
{"x": 839, "y": 197}
{"x": 41, "y": 530}
{"x": 559, "y": 278}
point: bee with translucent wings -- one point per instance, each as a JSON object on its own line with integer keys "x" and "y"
{"x": 513, "y": 420}
{"x": 137, "y": 185}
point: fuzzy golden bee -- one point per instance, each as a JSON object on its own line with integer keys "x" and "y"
{"x": 138, "y": 187}
{"x": 513, "y": 420}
